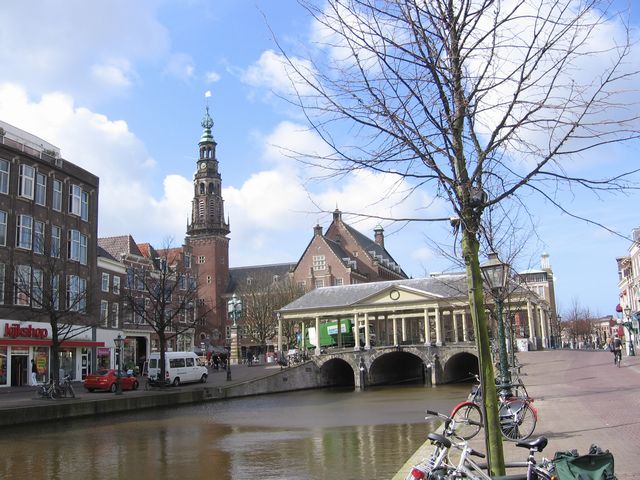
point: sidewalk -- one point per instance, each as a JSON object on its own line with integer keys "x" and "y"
{"x": 581, "y": 399}
{"x": 12, "y": 397}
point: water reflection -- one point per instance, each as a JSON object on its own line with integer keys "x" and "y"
{"x": 302, "y": 435}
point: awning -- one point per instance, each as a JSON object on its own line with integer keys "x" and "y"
{"x": 30, "y": 342}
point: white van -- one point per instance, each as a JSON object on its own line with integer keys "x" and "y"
{"x": 181, "y": 367}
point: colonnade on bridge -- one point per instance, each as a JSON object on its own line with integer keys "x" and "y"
{"x": 431, "y": 311}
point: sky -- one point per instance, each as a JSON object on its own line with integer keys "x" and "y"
{"x": 120, "y": 88}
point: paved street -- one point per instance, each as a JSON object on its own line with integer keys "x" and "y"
{"x": 582, "y": 399}
{"x": 21, "y": 396}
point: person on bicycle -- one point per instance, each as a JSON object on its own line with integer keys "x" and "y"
{"x": 617, "y": 349}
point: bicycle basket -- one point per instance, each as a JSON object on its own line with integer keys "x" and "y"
{"x": 596, "y": 465}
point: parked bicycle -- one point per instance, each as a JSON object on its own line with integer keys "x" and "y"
{"x": 518, "y": 418}
{"x": 53, "y": 390}
{"x": 439, "y": 465}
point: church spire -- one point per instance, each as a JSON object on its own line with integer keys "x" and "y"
{"x": 207, "y": 124}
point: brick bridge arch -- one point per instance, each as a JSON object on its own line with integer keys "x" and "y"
{"x": 435, "y": 364}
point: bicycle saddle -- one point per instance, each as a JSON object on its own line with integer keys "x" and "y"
{"x": 537, "y": 443}
{"x": 437, "y": 438}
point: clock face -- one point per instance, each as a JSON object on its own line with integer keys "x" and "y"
{"x": 203, "y": 166}
{"x": 394, "y": 294}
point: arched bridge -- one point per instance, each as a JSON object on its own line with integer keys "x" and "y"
{"x": 400, "y": 364}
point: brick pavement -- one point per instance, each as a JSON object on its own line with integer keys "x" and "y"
{"x": 582, "y": 398}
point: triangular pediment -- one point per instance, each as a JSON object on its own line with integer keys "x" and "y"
{"x": 396, "y": 294}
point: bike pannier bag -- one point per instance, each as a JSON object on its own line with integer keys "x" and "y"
{"x": 596, "y": 465}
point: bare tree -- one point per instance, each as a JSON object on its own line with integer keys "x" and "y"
{"x": 261, "y": 299}
{"x": 482, "y": 101}
{"x": 57, "y": 292}
{"x": 579, "y": 323}
{"x": 164, "y": 296}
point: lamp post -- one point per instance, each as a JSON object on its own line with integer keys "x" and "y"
{"x": 495, "y": 273}
{"x": 234, "y": 309}
{"x": 629, "y": 326}
{"x": 119, "y": 341}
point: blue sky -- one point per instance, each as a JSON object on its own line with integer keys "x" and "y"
{"x": 120, "y": 87}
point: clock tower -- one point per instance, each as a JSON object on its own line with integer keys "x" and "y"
{"x": 207, "y": 238}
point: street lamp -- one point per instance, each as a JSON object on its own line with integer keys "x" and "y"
{"x": 119, "y": 341}
{"x": 234, "y": 308}
{"x": 559, "y": 331}
{"x": 629, "y": 326}
{"x": 495, "y": 274}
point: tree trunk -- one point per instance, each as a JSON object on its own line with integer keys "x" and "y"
{"x": 493, "y": 435}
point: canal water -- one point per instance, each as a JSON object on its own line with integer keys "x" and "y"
{"x": 308, "y": 435}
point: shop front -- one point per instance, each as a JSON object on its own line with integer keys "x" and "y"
{"x": 21, "y": 342}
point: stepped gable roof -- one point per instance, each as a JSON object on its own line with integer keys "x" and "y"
{"x": 240, "y": 275}
{"x": 117, "y": 246}
{"x": 444, "y": 286}
{"x": 370, "y": 245}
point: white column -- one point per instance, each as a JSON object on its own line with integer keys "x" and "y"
{"x": 356, "y": 332}
{"x": 367, "y": 340}
{"x": 404, "y": 329}
{"x": 455, "y": 326}
{"x": 543, "y": 327}
{"x": 532, "y": 330}
{"x": 279, "y": 336}
{"x": 427, "y": 328}
{"x": 395, "y": 331}
{"x": 438, "y": 327}
{"x": 465, "y": 332}
{"x": 317, "y": 342}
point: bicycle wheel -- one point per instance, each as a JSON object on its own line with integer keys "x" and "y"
{"x": 468, "y": 420}
{"x": 71, "y": 392}
{"x": 54, "y": 393}
{"x": 517, "y": 419}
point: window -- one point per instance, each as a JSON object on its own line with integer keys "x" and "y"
{"x": 115, "y": 313}
{"x": 339, "y": 282}
{"x": 182, "y": 282}
{"x": 25, "y": 184}
{"x": 319, "y": 262}
{"x": 41, "y": 189}
{"x": 208, "y": 278}
{"x": 56, "y": 234}
{"x": 105, "y": 282}
{"x": 4, "y": 176}
{"x": 56, "y": 201}
{"x": 249, "y": 280}
{"x": 104, "y": 312}
{"x": 76, "y": 289}
{"x": 24, "y": 229}
{"x": 77, "y": 247}
{"x": 3, "y": 228}
{"x": 319, "y": 283}
{"x": 84, "y": 206}
{"x": 187, "y": 260}
{"x": 22, "y": 285}
{"x": 37, "y": 288}
{"x": 38, "y": 237}
{"x": 116, "y": 285}
{"x": 2, "y": 283}
{"x": 201, "y": 259}
{"x": 55, "y": 291}
{"x": 75, "y": 199}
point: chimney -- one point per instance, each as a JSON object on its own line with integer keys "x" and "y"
{"x": 337, "y": 215}
{"x": 379, "y": 235}
{"x": 317, "y": 230}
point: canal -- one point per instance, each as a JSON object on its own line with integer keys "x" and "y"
{"x": 308, "y": 435}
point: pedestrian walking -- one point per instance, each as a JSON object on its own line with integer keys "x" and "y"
{"x": 34, "y": 373}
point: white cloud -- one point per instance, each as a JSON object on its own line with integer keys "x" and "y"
{"x": 274, "y": 72}
{"x": 180, "y": 65}
{"x": 116, "y": 73}
{"x": 111, "y": 151}
{"x": 212, "y": 77}
{"x": 52, "y": 48}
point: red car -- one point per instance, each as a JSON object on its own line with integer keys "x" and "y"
{"x": 107, "y": 380}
